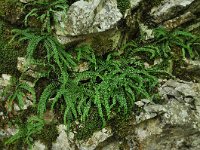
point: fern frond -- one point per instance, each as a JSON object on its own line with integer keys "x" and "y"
{"x": 46, "y": 94}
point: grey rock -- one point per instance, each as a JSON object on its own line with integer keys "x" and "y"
{"x": 175, "y": 124}
{"x": 64, "y": 141}
{"x": 84, "y": 17}
{"x": 97, "y": 138}
{"x": 39, "y": 146}
{"x": 168, "y": 9}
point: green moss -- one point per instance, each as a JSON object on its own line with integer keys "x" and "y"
{"x": 92, "y": 124}
{"x": 9, "y": 52}
{"x": 123, "y": 5}
{"x": 11, "y": 10}
{"x": 48, "y": 135}
{"x": 2, "y": 144}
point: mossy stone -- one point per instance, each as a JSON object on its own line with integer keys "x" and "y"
{"x": 10, "y": 51}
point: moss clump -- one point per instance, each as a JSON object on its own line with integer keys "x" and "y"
{"x": 48, "y": 135}
{"x": 2, "y": 144}
{"x": 123, "y": 5}
{"x": 92, "y": 124}
{"x": 11, "y": 10}
{"x": 10, "y": 51}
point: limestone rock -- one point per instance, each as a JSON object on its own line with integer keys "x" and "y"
{"x": 95, "y": 140}
{"x": 64, "y": 141}
{"x": 168, "y": 9}
{"x": 175, "y": 123}
{"x": 88, "y": 17}
{"x": 38, "y": 146}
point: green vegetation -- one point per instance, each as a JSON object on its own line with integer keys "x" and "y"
{"x": 44, "y": 12}
{"x": 108, "y": 86}
{"x": 33, "y": 126}
{"x": 123, "y": 5}
{"x": 9, "y": 51}
{"x": 19, "y": 90}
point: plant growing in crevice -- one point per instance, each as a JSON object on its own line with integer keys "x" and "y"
{"x": 166, "y": 45}
{"x": 34, "y": 125}
{"x": 44, "y": 12}
{"x": 20, "y": 90}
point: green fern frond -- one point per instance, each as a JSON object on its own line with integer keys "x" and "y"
{"x": 46, "y": 94}
{"x": 44, "y": 12}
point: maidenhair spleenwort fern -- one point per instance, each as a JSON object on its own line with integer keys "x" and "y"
{"x": 45, "y": 12}
{"x": 20, "y": 90}
{"x": 165, "y": 45}
{"x": 33, "y": 126}
{"x": 113, "y": 84}
{"x": 56, "y": 56}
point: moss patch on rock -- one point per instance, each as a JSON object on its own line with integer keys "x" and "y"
{"x": 48, "y": 135}
{"x": 10, "y": 51}
{"x": 92, "y": 124}
{"x": 11, "y": 10}
{"x": 123, "y": 5}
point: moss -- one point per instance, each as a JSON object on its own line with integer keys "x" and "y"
{"x": 9, "y": 52}
{"x": 123, "y": 5}
{"x": 2, "y": 144}
{"x": 11, "y": 10}
{"x": 122, "y": 125}
{"x": 48, "y": 135}
{"x": 92, "y": 124}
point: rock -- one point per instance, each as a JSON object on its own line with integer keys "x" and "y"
{"x": 32, "y": 70}
{"x": 146, "y": 32}
{"x": 172, "y": 125}
{"x": 83, "y": 66}
{"x": 38, "y": 146}
{"x": 178, "y": 90}
{"x": 25, "y": 1}
{"x": 88, "y": 17}
{"x": 134, "y": 3}
{"x": 168, "y": 9}
{"x": 95, "y": 140}
{"x": 5, "y": 80}
{"x": 177, "y": 21}
{"x": 64, "y": 141}
{"x": 112, "y": 146}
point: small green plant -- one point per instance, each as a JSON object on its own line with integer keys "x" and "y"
{"x": 168, "y": 41}
{"x": 166, "y": 46}
{"x": 34, "y": 125}
{"x": 20, "y": 90}
{"x": 55, "y": 52}
{"x": 44, "y": 12}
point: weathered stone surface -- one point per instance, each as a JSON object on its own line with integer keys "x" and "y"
{"x": 95, "y": 140}
{"x": 25, "y": 1}
{"x": 64, "y": 141}
{"x": 38, "y": 146}
{"x": 88, "y": 17}
{"x": 168, "y": 9}
{"x": 175, "y": 124}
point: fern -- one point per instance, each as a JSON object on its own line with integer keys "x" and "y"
{"x": 20, "y": 89}
{"x": 113, "y": 83}
{"x": 44, "y": 12}
{"x": 86, "y": 53}
{"x": 33, "y": 126}
{"x": 53, "y": 49}
{"x": 46, "y": 95}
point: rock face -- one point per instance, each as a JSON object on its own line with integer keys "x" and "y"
{"x": 89, "y": 17}
{"x": 174, "y": 124}
{"x": 169, "y": 8}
